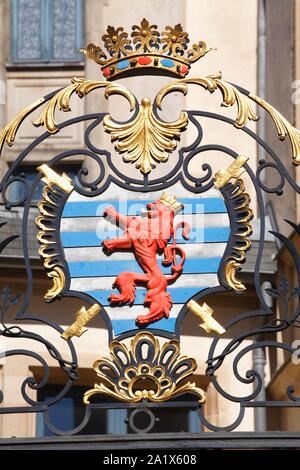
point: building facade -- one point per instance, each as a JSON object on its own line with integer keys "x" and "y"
{"x": 257, "y": 48}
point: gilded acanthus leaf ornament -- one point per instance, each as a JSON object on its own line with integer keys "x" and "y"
{"x": 61, "y": 100}
{"x": 283, "y": 126}
{"x": 81, "y": 87}
{"x": 146, "y": 140}
{"x": 155, "y": 137}
{"x": 8, "y": 133}
{"x": 234, "y": 96}
{"x": 231, "y": 95}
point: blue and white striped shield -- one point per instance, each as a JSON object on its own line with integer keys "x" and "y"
{"x": 83, "y": 228}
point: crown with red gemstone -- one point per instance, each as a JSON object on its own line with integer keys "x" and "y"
{"x": 149, "y": 51}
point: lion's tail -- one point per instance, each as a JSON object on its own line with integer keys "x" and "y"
{"x": 172, "y": 251}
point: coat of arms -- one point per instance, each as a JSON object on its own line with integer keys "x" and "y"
{"x": 144, "y": 241}
{"x": 144, "y": 252}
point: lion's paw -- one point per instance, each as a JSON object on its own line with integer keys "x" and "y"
{"x": 121, "y": 299}
{"x": 150, "y": 318}
{"x": 107, "y": 247}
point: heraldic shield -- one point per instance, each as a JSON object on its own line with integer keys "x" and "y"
{"x": 148, "y": 228}
{"x": 140, "y": 253}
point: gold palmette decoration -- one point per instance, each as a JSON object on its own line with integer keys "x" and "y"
{"x": 145, "y": 371}
{"x": 244, "y": 215}
{"x": 56, "y": 185}
{"x": 145, "y": 140}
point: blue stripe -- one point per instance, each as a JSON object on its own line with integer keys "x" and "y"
{"x": 133, "y": 207}
{"x": 85, "y": 239}
{"x": 179, "y": 294}
{"x": 114, "y": 267}
{"x": 122, "y": 326}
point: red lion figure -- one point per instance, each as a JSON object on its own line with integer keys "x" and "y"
{"x": 148, "y": 235}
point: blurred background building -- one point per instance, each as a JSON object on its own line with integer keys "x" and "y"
{"x": 258, "y": 47}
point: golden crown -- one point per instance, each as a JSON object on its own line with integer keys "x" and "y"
{"x": 170, "y": 201}
{"x": 149, "y": 50}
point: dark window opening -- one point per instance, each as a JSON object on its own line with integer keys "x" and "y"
{"x": 69, "y": 412}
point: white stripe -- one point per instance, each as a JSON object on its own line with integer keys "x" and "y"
{"x": 129, "y": 313}
{"x": 185, "y": 280}
{"x": 114, "y": 192}
{"x": 93, "y": 224}
{"x": 194, "y": 250}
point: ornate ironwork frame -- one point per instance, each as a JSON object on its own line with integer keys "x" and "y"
{"x": 179, "y": 172}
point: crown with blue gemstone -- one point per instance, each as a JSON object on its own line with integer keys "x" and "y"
{"x": 149, "y": 51}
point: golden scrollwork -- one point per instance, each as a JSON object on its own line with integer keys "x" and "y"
{"x": 82, "y": 318}
{"x": 61, "y": 101}
{"x": 230, "y": 271}
{"x": 231, "y": 95}
{"x": 242, "y": 226}
{"x": 58, "y": 278}
{"x": 146, "y": 140}
{"x": 47, "y": 236}
{"x": 81, "y": 87}
{"x": 8, "y": 133}
{"x": 158, "y": 135}
{"x": 283, "y": 126}
{"x": 204, "y": 312}
{"x": 145, "y": 371}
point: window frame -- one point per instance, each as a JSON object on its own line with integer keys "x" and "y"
{"x": 46, "y": 35}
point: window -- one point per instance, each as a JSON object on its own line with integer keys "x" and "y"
{"x": 69, "y": 412}
{"x": 46, "y": 31}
